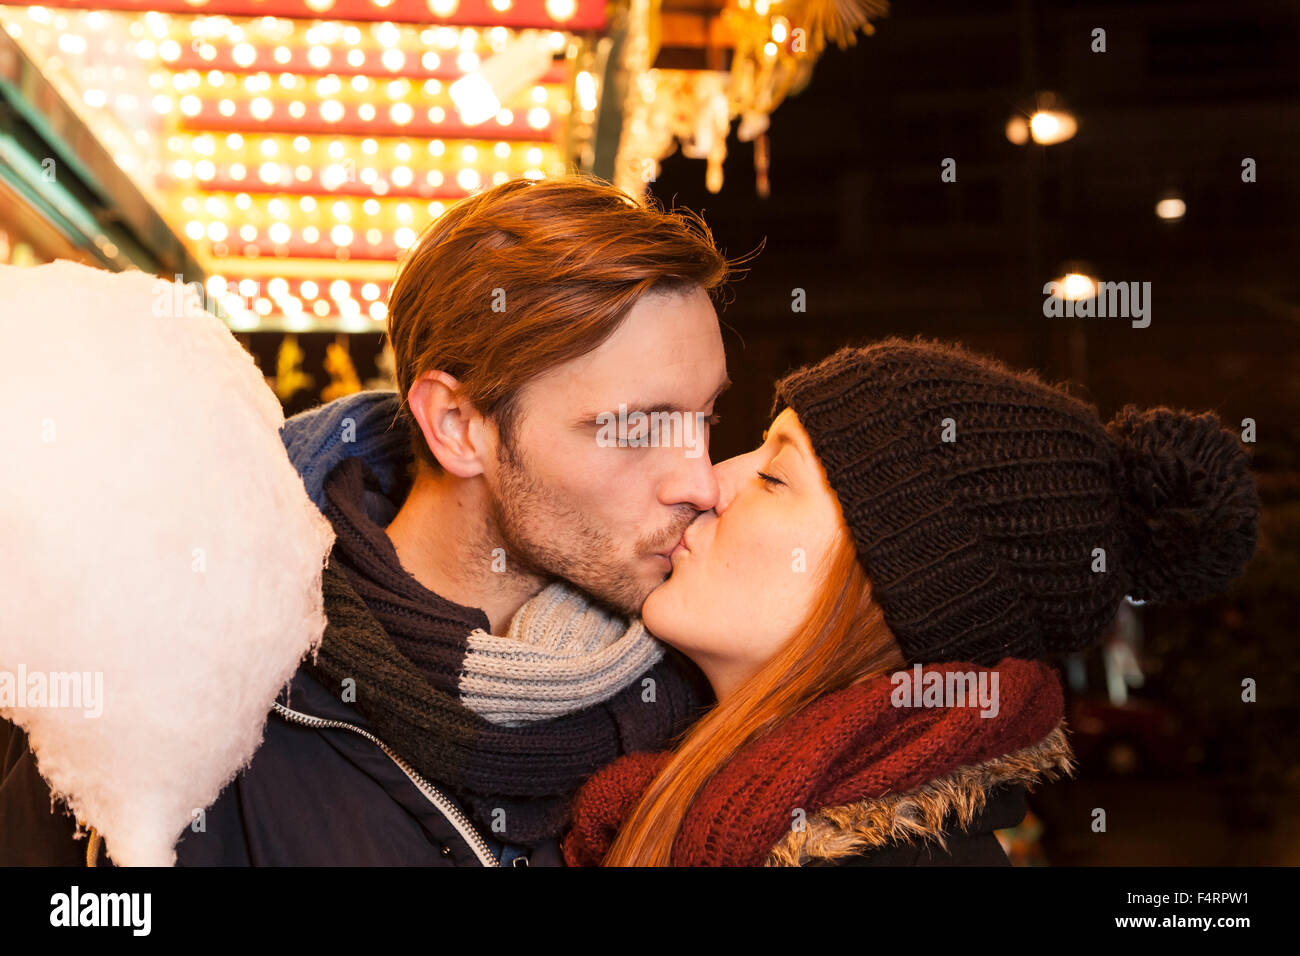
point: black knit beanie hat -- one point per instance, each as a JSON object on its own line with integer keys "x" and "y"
{"x": 985, "y": 504}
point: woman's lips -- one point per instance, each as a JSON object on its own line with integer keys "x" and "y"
{"x": 677, "y": 551}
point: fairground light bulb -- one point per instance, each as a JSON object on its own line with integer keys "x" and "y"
{"x": 1076, "y": 285}
{"x": 1052, "y": 126}
{"x": 1050, "y": 122}
{"x": 1171, "y": 208}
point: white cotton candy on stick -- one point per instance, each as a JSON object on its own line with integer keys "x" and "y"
{"x": 154, "y": 538}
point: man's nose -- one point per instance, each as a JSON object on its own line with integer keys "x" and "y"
{"x": 691, "y": 482}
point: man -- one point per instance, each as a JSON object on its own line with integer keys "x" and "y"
{"x": 460, "y": 696}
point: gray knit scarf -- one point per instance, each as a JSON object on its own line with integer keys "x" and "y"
{"x": 561, "y": 654}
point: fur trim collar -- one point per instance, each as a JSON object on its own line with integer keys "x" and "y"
{"x": 837, "y": 832}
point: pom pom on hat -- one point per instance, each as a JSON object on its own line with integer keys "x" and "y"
{"x": 1189, "y": 500}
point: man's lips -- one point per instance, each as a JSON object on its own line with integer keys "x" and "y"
{"x": 680, "y": 548}
{"x": 677, "y": 550}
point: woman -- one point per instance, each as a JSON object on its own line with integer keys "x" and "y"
{"x": 911, "y": 504}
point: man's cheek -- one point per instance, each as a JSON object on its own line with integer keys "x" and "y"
{"x": 590, "y": 499}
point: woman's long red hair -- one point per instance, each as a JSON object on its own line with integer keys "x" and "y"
{"x": 843, "y": 641}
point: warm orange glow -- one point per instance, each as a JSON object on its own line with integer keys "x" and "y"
{"x": 286, "y": 149}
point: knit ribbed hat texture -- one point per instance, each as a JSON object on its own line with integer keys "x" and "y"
{"x": 996, "y": 516}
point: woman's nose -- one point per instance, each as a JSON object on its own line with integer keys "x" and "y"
{"x": 728, "y": 474}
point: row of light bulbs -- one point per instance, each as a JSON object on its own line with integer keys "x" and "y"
{"x": 392, "y": 59}
{"x": 331, "y": 111}
{"x": 245, "y": 300}
{"x": 205, "y": 144}
{"x": 561, "y": 11}
{"x": 293, "y": 308}
{"x": 153, "y": 38}
{"x": 328, "y": 34}
{"x": 216, "y": 206}
{"x": 280, "y": 233}
{"x": 272, "y": 174}
{"x": 338, "y": 290}
{"x": 324, "y": 86}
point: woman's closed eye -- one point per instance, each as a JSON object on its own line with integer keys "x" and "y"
{"x": 770, "y": 480}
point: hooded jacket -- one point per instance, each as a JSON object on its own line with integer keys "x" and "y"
{"x": 950, "y": 821}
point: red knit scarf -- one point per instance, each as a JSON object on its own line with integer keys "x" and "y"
{"x": 845, "y": 747}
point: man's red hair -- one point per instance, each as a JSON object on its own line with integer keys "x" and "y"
{"x": 528, "y": 275}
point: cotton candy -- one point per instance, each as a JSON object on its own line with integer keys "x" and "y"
{"x": 154, "y": 537}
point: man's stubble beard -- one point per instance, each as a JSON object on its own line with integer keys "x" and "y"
{"x": 543, "y": 537}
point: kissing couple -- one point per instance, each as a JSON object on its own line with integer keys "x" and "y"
{"x": 545, "y": 647}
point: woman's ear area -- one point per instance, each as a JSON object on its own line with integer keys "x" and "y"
{"x": 450, "y": 423}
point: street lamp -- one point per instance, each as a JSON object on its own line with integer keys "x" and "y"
{"x": 1048, "y": 124}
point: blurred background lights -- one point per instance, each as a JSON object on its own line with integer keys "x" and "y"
{"x": 561, "y": 10}
{"x": 1076, "y": 285}
{"x": 1171, "y": 208}
{"x": 1049, "y": 126}
{"x": 287, "y": 152}
{"x": 1050, "y": 122}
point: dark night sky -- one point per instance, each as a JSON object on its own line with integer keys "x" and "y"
{"x": 859, "y": 218}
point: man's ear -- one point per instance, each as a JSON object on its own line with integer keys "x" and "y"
{"x": 446, "y": 421}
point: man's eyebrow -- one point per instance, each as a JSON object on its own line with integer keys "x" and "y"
{"x": 669, "y": 407}
{"x": 658, "y": 407}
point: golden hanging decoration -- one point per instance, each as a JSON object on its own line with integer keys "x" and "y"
{"x": 343, "y": 374}
{"x": 836, "y": 21}
{"x": 289, "y": 376}
{"x": 775, "y": 46}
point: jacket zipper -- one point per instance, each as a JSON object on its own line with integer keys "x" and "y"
{"x": 448, "y": 809}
